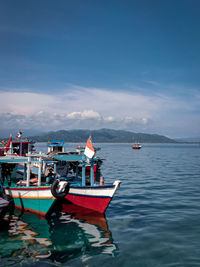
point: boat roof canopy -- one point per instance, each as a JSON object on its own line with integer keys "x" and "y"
{"x": 45, "y": 158}
{"x": 72, "y": 157}
{"x": 56, "y": 143}
{"x": 18, "y": 159}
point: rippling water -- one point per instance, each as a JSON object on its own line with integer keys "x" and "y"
{"x": 153, "y": 220}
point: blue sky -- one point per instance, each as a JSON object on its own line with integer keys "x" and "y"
{"x": 131, "y": 65}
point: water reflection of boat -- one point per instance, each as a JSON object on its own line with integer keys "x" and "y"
{"x": 80, "y": 232}
{"x": 75, "y": 234}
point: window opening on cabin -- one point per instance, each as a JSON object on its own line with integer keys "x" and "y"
{"x": 24, "y": 148}
{"x": 59, "y": 149}
{"x": 16, "y": 148}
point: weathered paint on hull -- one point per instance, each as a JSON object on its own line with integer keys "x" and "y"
{"x": 37, "y": 200}
{"x": 39, "y": 207}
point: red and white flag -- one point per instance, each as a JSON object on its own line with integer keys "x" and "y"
{"x": 19, "y": 134}
{"x": 8, "y": 145}
{"x": 89, "y": 149}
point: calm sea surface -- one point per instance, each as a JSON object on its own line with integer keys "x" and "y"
{"x": 153, "y": 220}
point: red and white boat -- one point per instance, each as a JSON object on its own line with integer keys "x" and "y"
{"x": 137, "y": 146}
{"x": 92, "y": 197}
{"x": 88, "y": 194}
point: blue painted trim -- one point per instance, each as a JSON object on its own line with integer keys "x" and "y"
{"x": 93, "y": 187}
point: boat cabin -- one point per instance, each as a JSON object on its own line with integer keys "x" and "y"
{"x": 21, "y": 147}
{"x": 56, "y": 146}
{"x": 60, "y": 164}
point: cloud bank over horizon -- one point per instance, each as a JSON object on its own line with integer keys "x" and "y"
{"x": 94, "y": 108}
{"x": 74, "y": 65}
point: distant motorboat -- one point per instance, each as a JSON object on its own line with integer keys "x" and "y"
{"x": 137, "y": 146}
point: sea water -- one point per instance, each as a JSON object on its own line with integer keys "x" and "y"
{"x": 153, "y": 219}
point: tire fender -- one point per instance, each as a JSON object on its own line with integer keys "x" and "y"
{"x": 60, "y": 192}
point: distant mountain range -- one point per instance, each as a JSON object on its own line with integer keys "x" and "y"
{"x": 102, "y": 136}
{"x": 189, "y": 139}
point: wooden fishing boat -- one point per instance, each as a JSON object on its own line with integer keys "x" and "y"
{"x": 28, "y": 195}
{"x": 17, "y": 147}
{"x": 88, "y": 194}
{"x": 38, "y": 195}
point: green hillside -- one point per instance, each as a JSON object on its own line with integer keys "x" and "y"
{"x": 102, "y": 136}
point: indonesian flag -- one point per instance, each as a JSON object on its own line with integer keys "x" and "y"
{"x": 89, "y": 149}
{"x": 19, "y": 134}
{"x": 8, "y": 145}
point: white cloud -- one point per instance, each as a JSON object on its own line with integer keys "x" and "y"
{"x": 86, "y": 114}
{"x": 79, "y": 107}
{"x": 24, "y": 103}
{"x": 110, "y": 118}
{"x": 90, "y": 114}
{"x": 74, "y": 115}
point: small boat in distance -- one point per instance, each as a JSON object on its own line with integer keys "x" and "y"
{"x": 136, "y": 146}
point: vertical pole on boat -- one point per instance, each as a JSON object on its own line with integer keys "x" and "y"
{"x": 40, "y": 169}
{"x": 28, "y": 170}
{"x": 0, "y": 174}
{"x": 20, "y": 149}
{"x": 25, "y": 171}
{"x": 76, "y": 169}
{"x": 54, "y": 168}
{"x": 92, "y": 173}
{"x": 83, "y": 174}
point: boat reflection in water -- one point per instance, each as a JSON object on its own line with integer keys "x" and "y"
{"x": 75, "y": 234}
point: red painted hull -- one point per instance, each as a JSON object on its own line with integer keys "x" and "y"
{"x": 98, "y": 204}
{"x": 96, "y": 198}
